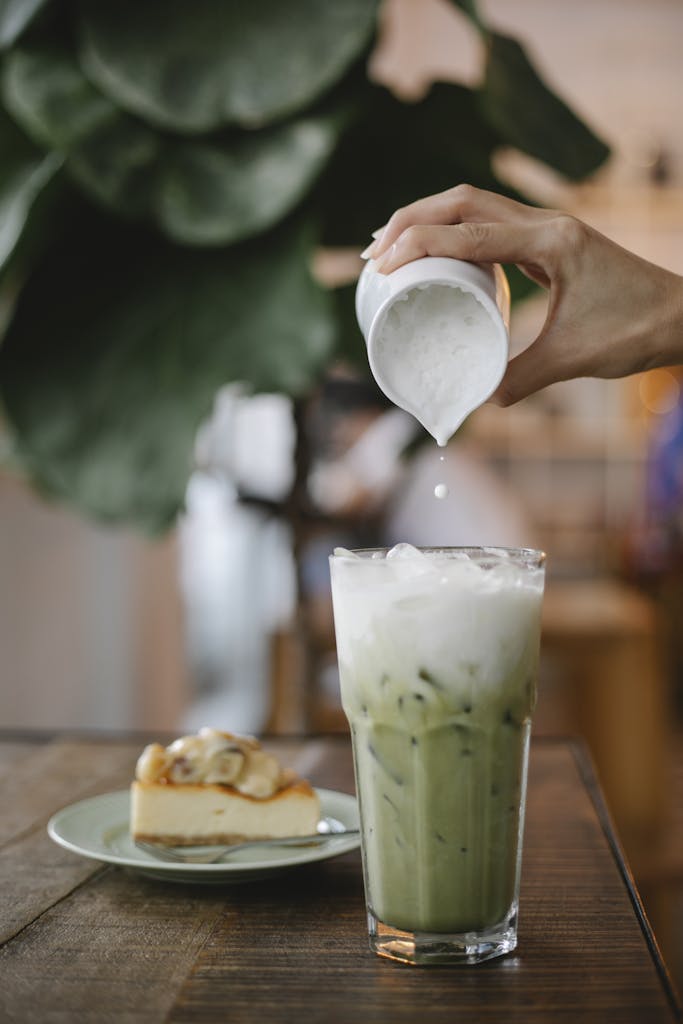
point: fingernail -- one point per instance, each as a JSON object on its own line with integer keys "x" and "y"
{"x": 378, "y": 232}
{"x": 367, "y": 253}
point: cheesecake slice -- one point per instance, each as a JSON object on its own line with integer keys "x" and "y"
{"x": 215, "y": 787}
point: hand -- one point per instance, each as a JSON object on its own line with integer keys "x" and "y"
{"x": 610, "y": 313}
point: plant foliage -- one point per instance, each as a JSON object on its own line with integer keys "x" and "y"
{"x": 166, "y": 172}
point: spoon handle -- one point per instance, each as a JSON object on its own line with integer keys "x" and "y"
{"x": 183, "y": 855}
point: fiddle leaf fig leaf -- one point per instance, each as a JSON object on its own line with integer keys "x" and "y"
{"x": 24, "y": 173}
{"x": 20, "y": 186}
{"x": 196, "y": 67}
{"x": 213, "y": 193}
{"x": 529, "y": 116}
{"x": 224, "y": 191}
{"x": 209, "y": 192}
{"x": 117, "y": 165}
{"x": 107, "y": 151}
{"x": 47, "y": 94}
{"x": 15, "y": 15}
{"x": 395, "y": 152}
{"x": 128, "y": 370}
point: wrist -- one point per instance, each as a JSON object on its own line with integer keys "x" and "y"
{"x": 670, "y": 340}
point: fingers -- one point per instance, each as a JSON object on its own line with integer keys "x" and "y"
{"x": 455, "y": 205}
{"x": 473, "y": 241}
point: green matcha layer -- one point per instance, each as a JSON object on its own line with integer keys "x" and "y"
{"x": 441, "y": 819}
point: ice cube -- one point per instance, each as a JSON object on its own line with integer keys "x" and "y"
{"x": 345, "y": 553}
{"x": 404, "y": 551}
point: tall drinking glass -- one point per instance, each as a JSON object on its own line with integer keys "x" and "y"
{"x": 438, "y": 654}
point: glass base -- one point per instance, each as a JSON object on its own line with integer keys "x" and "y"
{"x": 424, "y": 948}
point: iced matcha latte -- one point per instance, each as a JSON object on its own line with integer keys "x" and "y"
{"x": 438, "y": 652}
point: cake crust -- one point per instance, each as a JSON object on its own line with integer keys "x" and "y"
{"x": 179, "y": 812}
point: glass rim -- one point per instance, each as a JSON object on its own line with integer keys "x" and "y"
{"x": 534, "y": 558}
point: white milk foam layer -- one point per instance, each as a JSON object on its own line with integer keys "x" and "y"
{"x": 440, "y": 356}
{"x": 454, "y": 613}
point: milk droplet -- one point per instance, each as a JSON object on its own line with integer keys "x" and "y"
{"x": 441, "y": 491}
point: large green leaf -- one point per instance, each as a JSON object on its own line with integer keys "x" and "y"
{"x": 24, "y": 173}
{"x": 119, "y": 343}
{"x": 118, "y": 165}
{"x": 15, "y": 15}
{"x": 224, "y": 191}
{"x": 194, "y": 67}
{"x": 528, "y": 115}
{"x": 111, "y": 154}
{"x": 214, "y": 192}
{"x": 396, "y": 151}
{"x": 526, "y": 112}
{"x": 47, "y": 94}
{"x": 204, "y": 194}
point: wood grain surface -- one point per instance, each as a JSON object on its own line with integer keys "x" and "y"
{"x": 82, "y": 942}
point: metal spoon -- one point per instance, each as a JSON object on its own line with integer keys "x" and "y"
{"x": 328, "y": 828}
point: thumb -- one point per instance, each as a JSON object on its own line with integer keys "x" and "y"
{"x": 526, "y": 373}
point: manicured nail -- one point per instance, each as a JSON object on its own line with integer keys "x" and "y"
{"x": 378, "y": 232}
{"x": 367, "y": 253}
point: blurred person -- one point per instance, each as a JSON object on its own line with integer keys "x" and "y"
{"x": 610, "y": 313}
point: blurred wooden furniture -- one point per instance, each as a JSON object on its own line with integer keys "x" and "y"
{"x": 605, "y": 635}
{"x": 84, "y": 942}
{"x": 288, "y": 712}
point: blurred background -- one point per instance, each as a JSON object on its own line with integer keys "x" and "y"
{"x": 225, "y": 618}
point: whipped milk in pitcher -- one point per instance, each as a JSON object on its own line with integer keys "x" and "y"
{"x": 436, "y": 331}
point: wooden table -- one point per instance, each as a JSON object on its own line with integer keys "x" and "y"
{"x": 82, "y": 942}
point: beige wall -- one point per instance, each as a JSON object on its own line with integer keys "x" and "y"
{"x": 90, "y": 622}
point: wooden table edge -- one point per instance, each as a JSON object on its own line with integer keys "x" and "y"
{"x": 586, "y": 770}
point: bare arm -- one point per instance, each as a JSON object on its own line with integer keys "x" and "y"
{"x": 610, "y": 313}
